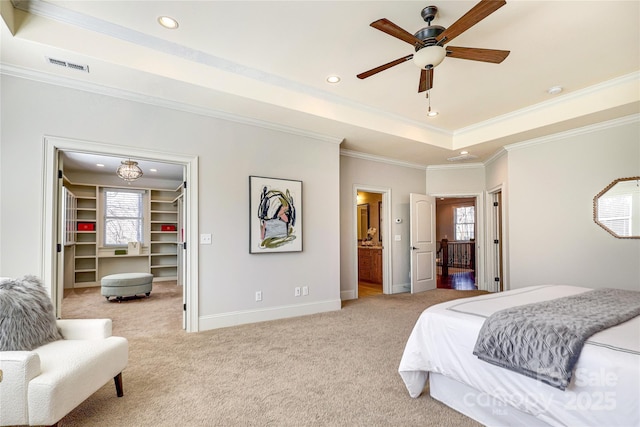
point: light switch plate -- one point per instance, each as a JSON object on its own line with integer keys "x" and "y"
{"x": 205, "y": 239}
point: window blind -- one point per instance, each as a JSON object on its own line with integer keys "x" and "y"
{"x": 124, "y": 217}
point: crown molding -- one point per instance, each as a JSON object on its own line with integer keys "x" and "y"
{"x": 11, "y": 70}
{"x": 634, "y": 118}
{"x": 57, "y": 13}
{"x": 456, "y": 166}
{"x": 501, "y": 152}
{"x": 619, "y": 81}
{"x": 380, "y": 159}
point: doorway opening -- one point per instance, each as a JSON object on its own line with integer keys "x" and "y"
{"x": 458, "y": 238}
{"x": 371, "y": 237}
{"x": 53, "y": 248}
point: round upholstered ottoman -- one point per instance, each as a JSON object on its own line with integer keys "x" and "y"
{"x": 126, "y": 284}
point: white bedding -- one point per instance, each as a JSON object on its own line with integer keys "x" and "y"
{"x": 604, "y": 391}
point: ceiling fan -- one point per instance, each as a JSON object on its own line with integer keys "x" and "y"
{"x": 429, "y": 42}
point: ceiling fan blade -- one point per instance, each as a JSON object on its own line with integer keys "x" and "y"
{"x": 475, "y": 54}
{"x": 426, "y": 80}
{"x": 384, "y": 67}
{"x": 469, "y": 19}
{"x": 392, "y": 29}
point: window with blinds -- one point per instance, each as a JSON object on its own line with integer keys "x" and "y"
{"x": 124, "y": 217}
{"x": 464, "y": 219}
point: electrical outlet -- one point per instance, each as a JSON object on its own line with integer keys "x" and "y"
{"x": 305, "y": 290}
{"x": 205, "y": 239}
{"x": 258, "y": 295}
{"x": 297, "y": 292}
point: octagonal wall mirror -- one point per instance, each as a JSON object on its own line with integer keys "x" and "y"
{"x": 617, "y": 208}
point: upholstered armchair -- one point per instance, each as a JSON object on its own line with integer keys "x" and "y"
{"x": 41, "y": 386}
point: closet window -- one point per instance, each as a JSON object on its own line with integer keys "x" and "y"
{"x": 124, "y": 217}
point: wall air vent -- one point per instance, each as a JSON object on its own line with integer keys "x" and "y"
{"x": 462, "y": 158}
{"x": 67, "y": 64}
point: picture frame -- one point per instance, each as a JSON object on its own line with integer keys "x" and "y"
{"x": 275, "y": 215}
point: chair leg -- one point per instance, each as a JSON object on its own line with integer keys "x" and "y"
{"x": 118, "y": 380}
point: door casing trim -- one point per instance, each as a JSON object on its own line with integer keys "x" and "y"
{"x": 387, "y": 268}
{"x": 54, "y": 144}
{"x": 480, "y": 233}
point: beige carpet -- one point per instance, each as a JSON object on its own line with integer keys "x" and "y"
{"x": 329, "y": 369}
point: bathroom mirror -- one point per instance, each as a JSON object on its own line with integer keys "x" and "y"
{"x": 363, "y": 221}
{"x": 617, "y": 208}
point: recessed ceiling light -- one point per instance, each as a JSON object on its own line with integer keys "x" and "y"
{"x": 100, "y": 165}
{"x": 464, "y": 152}
{"x": 554, "y": 90}
{"x": 168, "y": 22}
{"x": 153, "y": 170}
{"x": 333, "y": 79}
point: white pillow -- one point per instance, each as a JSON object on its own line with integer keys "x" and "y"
{"x": 27, "y": 319}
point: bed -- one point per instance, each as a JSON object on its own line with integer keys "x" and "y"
{"x": 604, "y": 389}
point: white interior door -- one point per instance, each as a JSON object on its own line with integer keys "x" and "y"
{"x": 181, "y": 250}
{"x": 423, "y": 242}
{"x": 57, "y": 288}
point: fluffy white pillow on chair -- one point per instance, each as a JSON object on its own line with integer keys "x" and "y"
{"x": 27, "y": 318}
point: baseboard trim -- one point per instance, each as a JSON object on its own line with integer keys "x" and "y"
{"x": 236, "y": 318}
{"x": 81, "y": 285}
{"x": 401, "y": 288}
{"x": 347, "y": 295}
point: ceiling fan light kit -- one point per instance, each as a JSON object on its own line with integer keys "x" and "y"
{"x": 429, "y": 57}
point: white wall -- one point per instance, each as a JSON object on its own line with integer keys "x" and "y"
{"x": 552, "y": 183}
{"x": 496, "y": 171}
{"x": 401, "y": 180}
{"x": 462, "y": 179}
{"x": 229, "y": 152}
{"x": 465, "y": 179}
{"x": 548, "y": 187}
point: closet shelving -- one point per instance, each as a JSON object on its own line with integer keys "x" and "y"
{"x": 85, "y": 257}
{"x": 91, "y": 261}
{"x": 165, "y": 230}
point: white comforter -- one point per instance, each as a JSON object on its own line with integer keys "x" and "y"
{"x": 604, "y": 391}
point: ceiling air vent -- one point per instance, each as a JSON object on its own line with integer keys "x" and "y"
{"x": 67, "y": 64}
{"x": 462, "y": 157}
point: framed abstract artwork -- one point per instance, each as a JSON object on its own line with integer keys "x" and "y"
{"x": 275, "y": 217}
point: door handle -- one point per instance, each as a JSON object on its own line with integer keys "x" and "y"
{"x": 413, "y": 248}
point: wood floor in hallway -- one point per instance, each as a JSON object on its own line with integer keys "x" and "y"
{"x": 464, "y": 281}
{"x": 367, "y": 289}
